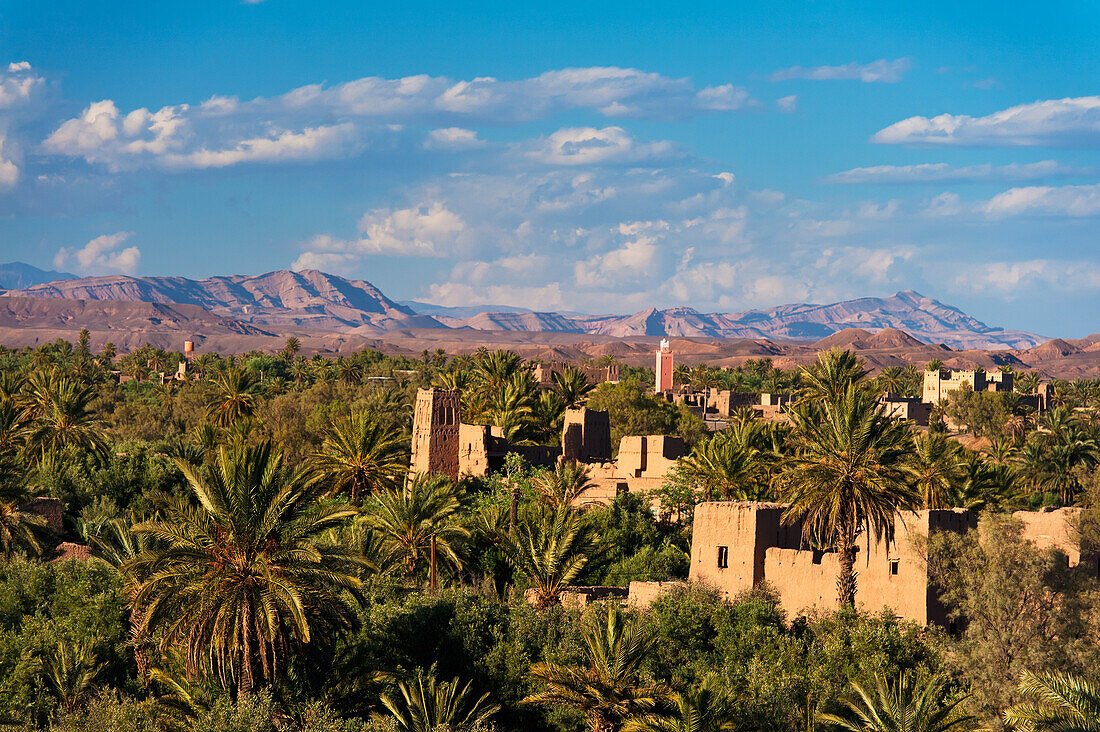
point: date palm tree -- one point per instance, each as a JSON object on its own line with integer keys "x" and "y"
{"x": 849, "y": 476}
{"x": 830, "y": 377}
{"x": 902, "y": 705}
{"x": 609, "y": 689}
{"x": 426, "y": 704}
{"x": 705, "y": 708}
{"x": 551, "y": 548}
{"x": 935, "y": 462}
{"x": 562, "y": 485}
{"x": 69, "y": 669}
{"x": 62, "y": 416}
{"x": 360, "y": 456}
{"x": 413, "y": 519}
{"x": 724, "y": 466}
{"x": 1056, "y": 702}
{"x": 234, "y": 397}
{"x": 573, "y": 386}
{"x": 241, "y": 579}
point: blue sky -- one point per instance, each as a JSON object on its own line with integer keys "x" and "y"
{"x": 593, "y": 157}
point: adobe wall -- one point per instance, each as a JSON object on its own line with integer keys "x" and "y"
{"x": 757, "y": 547}
{"x": 642, "y": 594}
{"x": 1053, "y": 529}
{"x": 586, "y": 435}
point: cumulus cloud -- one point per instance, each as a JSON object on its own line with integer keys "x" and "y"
{"x": 424, "y": 230}
{"x": 1015, "y": 278}
{"x": 453, "y": 138}
{"x": 787, "y": 104}
{"x": 945, "y": 173}
{"x": 1070, "y": 122}
{"x": 317, "y": 121}
{"x": 1071, "y": 201}
{"x": 102, "y": 255}
{"x": 589, "y": 146}
{"x": 882, "y": 70}
{"x": 21, "y": 94}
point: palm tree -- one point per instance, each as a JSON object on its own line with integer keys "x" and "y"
{"x": 1027, "y": 383}
{"x": 415, "y": 520}
{"x": 429, "y": 705}
{"x": 239, "y": 580}
{"x": 63, "y": 417}
{"x": 573, "y": 386}
{"x": 550, "y": 548}
{"x": 562, "y": 485}
{"x": 726, "y": 467}
{"x": 830, "y": 377}
{"x": 120, "y": 548}
{"x": 360, "y": 456}
{"x": 493, "y": 369}
{"x": 234, "y": 397}
{"x": 936, "y": 466}
{"x": 904, "y": 705}
{"x": 548, "y": 415}
{"x": 892, "y": 380}
{"x": 849, "y": 476}
{"x": 705, "y": 708}
{"x": 290, "y": 348}
{"x": 1056, "y": 702}
{"x": 348, "y": 370}
{"x": 299, "y": 370}
{"x": 20, "y": 530}
{"x": 69, "y": 670}
{"x": 609, "y": 689}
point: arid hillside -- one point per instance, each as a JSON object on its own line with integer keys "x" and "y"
{"x": 32, "y": 321}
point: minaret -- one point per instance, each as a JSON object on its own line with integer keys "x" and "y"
{"x": 664, "y": 367}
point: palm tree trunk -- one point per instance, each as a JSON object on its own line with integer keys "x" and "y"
{"x": 244, "y": 678}
{"x": 846, "y": 580}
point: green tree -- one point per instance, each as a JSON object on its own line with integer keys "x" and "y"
{"x": 69, "y": 670}
{"x": 609, "y": 689}
{"x": 936, "y": 469}
{"x": 243, "y": 577}
{"x": 360, "y": 456}
{"x": 724, "y": 467}
{"x": 573, "y": 386}
{"x": 550, "y": 548}
{"x": 560, "y": 487}
{"x": 290, "y": 348}
{"x": 1055, "y": 702}
{"x": 830, "y": 377}
{"x": 426, "y": 704}
{"x": 907, "y": 704}
{"x": 705, "y": 708}
{"x": 849, "y": 476}
{"x": 417, "y": 518}
{"x": 234, "y": 397}
{"x": 62, "y": 416}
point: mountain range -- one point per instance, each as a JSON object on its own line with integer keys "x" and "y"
{"x": 324, "y": 302}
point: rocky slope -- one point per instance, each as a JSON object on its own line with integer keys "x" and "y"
{"x": 928, "y": 320}
{"x": 297, "y": 299}
{"x": 313, "y": 299}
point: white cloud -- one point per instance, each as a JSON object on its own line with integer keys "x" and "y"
{"x": 314, "y": 121}
{"x": 1069, "y": 122}
{"x": 633, "y": 260}
{"x": 945, "y": 204}
{"x": 882, "y": 70}
{"x": 787, "y": 104}
{"x": 424, "y": 230}
{"x": 1070, "y": 201}
{"x": 1014, "y": 279}
{"x": 21, "y": 93}
{"x": 588, "y": 146}
{"x": 453, "y": 138}
{"x": 943, "y": 172}
{"x": 102, "y": 255}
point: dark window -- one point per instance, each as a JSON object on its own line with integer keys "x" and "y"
{"x": 723, "y": 557}
{"x": 894, "y": 567}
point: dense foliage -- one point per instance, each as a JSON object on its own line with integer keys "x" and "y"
{"x": 260, "y": 561}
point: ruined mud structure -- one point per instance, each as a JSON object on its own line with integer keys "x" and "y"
{"x": 442, "y": 443}
{"x": 738, "y": 545}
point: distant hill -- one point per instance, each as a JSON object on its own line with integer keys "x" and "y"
{"x": 309, "y": 299}
{"x": 14, "y": 275}
{"x": 923, "y": 318}
{"x": 320, "y": 301}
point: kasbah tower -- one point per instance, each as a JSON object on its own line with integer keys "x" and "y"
{"x": 664, "y": 368}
